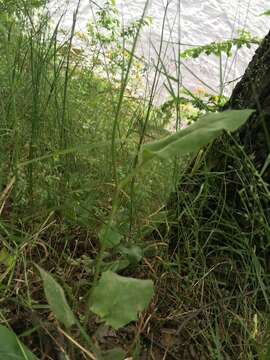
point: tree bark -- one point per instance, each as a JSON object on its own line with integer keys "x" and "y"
{"x": 231, "y": 168}
{"x": 253, "y": 90}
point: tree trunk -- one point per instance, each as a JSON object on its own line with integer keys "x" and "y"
{"x": 218, "y": 227}
{"x": 253, "y": 91}
{"x": 229, "y": 184}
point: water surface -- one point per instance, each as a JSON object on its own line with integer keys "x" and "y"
{"x": 190, "y": 22}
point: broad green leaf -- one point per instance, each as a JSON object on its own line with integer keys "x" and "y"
{"x": 134, "y": 253}
{"x": 114, "y": 354}
{"x": 11, "y": 347}
{"x": 200, "y": 133}
{"x": 57, "y": 300}
{"x": 117, "y": 299}
{"x": 109, "y": 237}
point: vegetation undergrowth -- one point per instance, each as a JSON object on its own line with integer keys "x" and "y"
{"x": 112, "y": 245}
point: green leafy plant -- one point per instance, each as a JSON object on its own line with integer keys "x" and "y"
{"x": 73, "y": 135}
{"x": 108, "y": 43}
{"x": 117, "y": 300}
{"x": 11, "y": 347}
{"x": 127, "y": 297}
{"x": 57, "y": 300}
{"x": 192, "y": 138}
{"x": 191, "y": 105}
{"x": 217, "y": 48}
{"x": 220, "y": 48}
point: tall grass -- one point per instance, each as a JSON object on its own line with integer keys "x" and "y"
{"x": 62, "y": 155}
{"x": 71, "y": 133}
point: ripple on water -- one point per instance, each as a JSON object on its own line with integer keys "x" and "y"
{"x": 201, "y": 22}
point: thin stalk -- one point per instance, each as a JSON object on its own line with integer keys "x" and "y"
{"x": 147, "y": 117}
{"x": 221, "y": 85}
{"x": 121, "y": 96}
{"x": 63, "y": 140}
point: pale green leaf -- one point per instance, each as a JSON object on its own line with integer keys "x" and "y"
{"x": 200, "y": 133}
{"x": 133, "y": 253}
{"x": 11, "y": 347}
{"x": 117, "y": 300}
{"x": 57, "y": 300}
{"x": 109, "y": 237}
